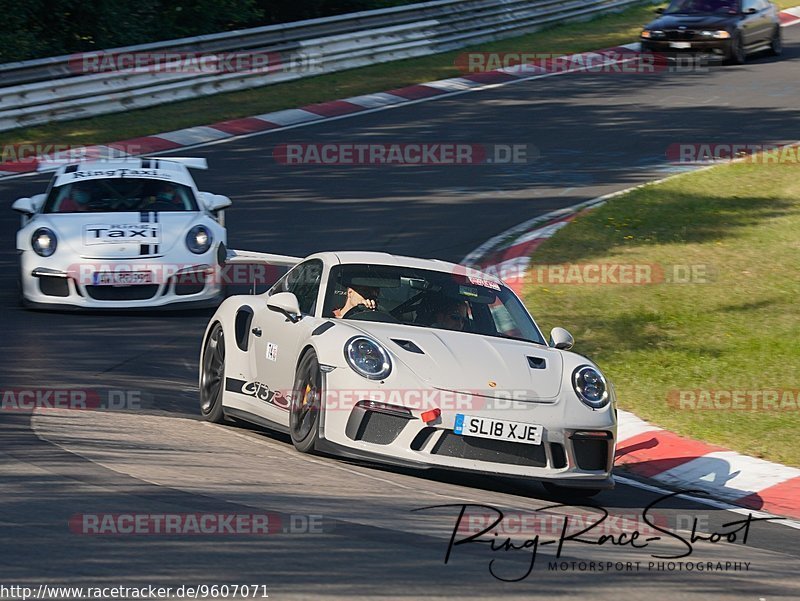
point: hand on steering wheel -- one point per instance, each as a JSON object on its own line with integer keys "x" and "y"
{"x": 360, "y": 308}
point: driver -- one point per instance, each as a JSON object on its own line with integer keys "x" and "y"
{"x": 358, "y": 295}
{"x": 76, "y": 202}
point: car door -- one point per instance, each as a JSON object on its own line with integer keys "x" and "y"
{"x": 749, "y": 23}
{"x": 756, "y": 26}
{"x": 276, "y": 339}
{"x": 766, "y": 26}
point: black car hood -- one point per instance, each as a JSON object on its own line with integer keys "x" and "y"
{"x": 694, "y": 21}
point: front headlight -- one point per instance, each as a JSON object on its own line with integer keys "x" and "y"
{"x": 590, "y": 386}
{"x": 199, "y": 239}
{"x": 44, "y": 242}
{"x": 646, "y": 34}
{"x": 368, "y": 358}
{"x": 719, "y": 35}
{"x": 654, "y": 33}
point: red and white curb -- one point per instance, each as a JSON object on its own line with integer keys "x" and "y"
{"x": 643, "y": 449}
{"x": 790, "y": 16}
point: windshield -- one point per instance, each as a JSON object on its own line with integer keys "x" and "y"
{"x": 428, "y": 299}
{"x": 116, "y": 195}
{"x": 703, "y": 7}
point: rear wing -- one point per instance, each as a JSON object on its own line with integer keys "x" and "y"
{"x": 188, "y": 162}
{"x": 247, "y": 257}
{"x": 65, "y": 160}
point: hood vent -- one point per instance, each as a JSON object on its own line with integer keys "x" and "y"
{"x": 408, "y": 345}
{"x": 537, "y": 363}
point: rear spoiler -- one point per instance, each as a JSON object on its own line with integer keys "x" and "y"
{"x": 52, "y": 165}
{"x": 188, "y": 162}
{"x": 248, "y": 257}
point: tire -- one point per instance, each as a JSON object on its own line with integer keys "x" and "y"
{"x": 566, "y": 492}
{"x": 212, "y": 376}
{"x": 776, "y": 44}
{"x": 738, "y": 54}
{"x": 306, "y": 404}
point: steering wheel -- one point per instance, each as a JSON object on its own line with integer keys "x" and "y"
{"x": 360, "y": 308}
{"x": 364, "y": 313}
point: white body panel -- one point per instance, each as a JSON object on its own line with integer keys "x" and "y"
{"x": 458, "y": 372}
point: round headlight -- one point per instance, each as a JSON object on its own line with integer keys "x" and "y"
{"x": 368, "y": 358}
{"x": 44, "y": 242}
{"x": 199, "y": 239}
{"x": 590, "y": 386}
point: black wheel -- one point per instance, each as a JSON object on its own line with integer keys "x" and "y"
{"x": 212, "y": 376}
{"x": 306, "y": 404}
{"x": 566, "y": 492}
{"x": 776, "y": 45}
{"x": 738, "y": 54}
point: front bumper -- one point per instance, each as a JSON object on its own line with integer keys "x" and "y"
{"x": 718, "y": 48}
{"x": 577, "y": 447}
{"x": 48, "y": 285}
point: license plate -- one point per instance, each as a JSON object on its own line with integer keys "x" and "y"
{"x": 680, "y": 45}
{"x": 122, "y": 278}
{"x": 497, "y": 429}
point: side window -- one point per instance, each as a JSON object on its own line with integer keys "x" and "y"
{"x": 748, "y": 4}
{"x": 303, "y": 281}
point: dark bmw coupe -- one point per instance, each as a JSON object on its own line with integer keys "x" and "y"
{"x": 728, "y": 29}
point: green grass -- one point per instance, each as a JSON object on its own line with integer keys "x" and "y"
{"x": 740, "y": 330}
{"x": 603, "y": 32}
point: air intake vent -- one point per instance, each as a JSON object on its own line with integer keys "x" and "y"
{"x": 537, "y": 362}
{"x": 408, "y": 345}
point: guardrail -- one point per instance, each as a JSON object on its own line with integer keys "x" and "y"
{"x": 59, "y": 89}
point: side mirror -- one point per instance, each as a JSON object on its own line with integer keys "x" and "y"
{"x": 24, "y": 206}
{"x": 561, "y": 339}
{"x": 215, "y": 202}
{"x": 660, "y": 10}
{"x": 751, "y": 11}
{"x": 286, "y": 303}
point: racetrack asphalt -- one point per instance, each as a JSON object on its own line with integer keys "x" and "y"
{"x": 593, "y": 134}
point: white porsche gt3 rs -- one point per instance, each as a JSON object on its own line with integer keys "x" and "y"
{"x": 413, "y": 362}
{"x": 126, "y": 233}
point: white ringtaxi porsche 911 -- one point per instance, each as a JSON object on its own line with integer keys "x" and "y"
{"x": 123, "y": 233}
{"x": 413, "y": 362}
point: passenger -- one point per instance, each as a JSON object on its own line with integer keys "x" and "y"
{"x": 452, "y": 315}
